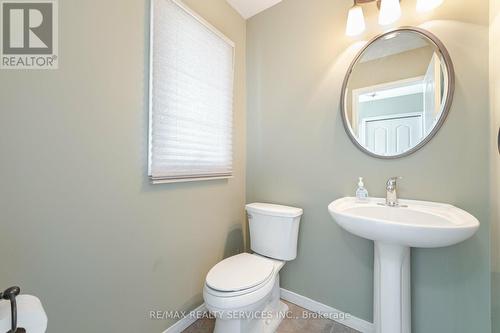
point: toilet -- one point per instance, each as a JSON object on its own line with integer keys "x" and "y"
{"x": 243, "y": 291}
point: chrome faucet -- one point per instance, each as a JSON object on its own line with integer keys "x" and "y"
{"x": 391, "y": 199}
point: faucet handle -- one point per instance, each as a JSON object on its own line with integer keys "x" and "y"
{"x": 393, "y": 181}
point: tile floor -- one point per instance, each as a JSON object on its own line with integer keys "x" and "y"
{"x": 287, "y": 326}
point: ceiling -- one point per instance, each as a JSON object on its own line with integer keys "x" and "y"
{"x": 249, "y": 8}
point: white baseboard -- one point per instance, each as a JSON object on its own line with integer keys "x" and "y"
{"x": 314, "y": 306}
{"x": 187, "y": 321}
{"x": 302, "y": 301}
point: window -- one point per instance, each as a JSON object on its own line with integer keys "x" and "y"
{"x": 191, "y": 96}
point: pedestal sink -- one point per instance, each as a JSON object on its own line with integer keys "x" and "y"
{"x": 395, "y": 230}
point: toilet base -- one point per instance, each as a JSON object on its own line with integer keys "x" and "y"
{"x": 263, "y": 318}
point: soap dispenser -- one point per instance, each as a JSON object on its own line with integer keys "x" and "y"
{"x": 361, "y": 192}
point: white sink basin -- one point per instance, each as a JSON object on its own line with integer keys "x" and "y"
{"x": 416, "y": 224}
{"x": 395, "y": 230}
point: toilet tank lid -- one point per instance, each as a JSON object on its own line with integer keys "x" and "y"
{"x": 274, "y": 210}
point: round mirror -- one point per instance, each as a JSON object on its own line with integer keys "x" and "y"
{"x": 397, "y": 93}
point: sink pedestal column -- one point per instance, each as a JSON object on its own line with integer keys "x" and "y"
{"x": 392, "y": 300}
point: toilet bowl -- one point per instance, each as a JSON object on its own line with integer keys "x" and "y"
{"x": 243, "y": 291}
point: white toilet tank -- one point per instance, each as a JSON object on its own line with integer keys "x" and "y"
{"x": 274, "y": 230}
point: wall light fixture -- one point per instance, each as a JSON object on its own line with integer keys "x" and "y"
{"x": 390, "y": 12}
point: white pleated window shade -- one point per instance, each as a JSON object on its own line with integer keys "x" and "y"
{"x": 192, "y": 69}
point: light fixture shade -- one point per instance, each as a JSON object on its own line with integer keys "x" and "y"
{"x": 390, "y": 12}
{"x": 355, "y": 21}
{"x": 428, "y": 5}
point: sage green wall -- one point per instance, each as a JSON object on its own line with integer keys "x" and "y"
{"x": 79, "y": 224}
{"x": 495, "y": 161}
{"x": 299, "y": 154}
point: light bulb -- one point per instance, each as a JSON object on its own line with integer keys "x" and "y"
{"x": 355, "y": 21}
{"x": 428, "y": 5}
{"x": 390, "y": 12}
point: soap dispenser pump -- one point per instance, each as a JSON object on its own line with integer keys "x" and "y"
{"x": 361, "y": 192}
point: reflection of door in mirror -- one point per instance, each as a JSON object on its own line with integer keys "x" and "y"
{"x": 390, "y": 135}
{"x": 389, "y": 116}
{"x": 432, "y": 93}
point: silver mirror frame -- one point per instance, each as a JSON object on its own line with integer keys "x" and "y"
{"x": 449, "y": 96}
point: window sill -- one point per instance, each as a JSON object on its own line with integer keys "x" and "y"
{"x": 186, "y": 180}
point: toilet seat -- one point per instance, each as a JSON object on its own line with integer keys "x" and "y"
{"x": 223, "y": 300}
{"x": 240, "y": 273}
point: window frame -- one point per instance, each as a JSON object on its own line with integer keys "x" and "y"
{"x": 217, "y": 32}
